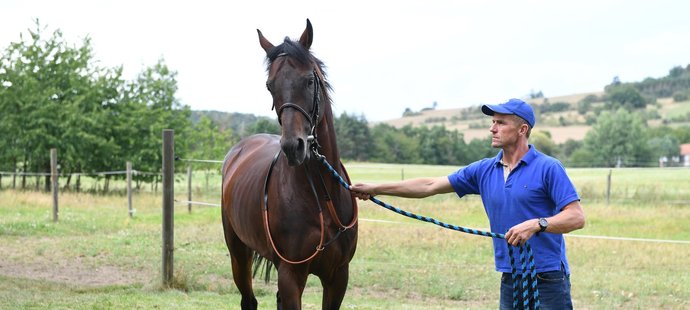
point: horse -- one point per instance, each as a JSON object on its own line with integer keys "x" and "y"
{"x": 274, "y": 190}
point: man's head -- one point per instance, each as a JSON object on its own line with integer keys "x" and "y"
{"x": 514, "y": 107}
{"x": 512, "y": 121}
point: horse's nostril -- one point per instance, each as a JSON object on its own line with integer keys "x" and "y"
{"x": 300, "y": 144}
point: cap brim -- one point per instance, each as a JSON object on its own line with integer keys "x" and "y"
{"x": 490, "y": 109}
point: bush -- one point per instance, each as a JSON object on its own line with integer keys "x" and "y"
{"x": 680, "y": 96}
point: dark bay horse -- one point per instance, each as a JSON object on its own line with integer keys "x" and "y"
{"x": 275, "y": 190}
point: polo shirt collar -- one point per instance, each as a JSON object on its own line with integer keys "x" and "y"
{"x": 526, "y": 159}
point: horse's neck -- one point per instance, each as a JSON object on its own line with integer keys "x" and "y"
{"x": 326, "y": 138}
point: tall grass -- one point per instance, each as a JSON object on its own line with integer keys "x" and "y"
{"x": 97, "y": 257}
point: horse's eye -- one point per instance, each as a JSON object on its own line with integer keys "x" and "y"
{"x": 311, "y": 81}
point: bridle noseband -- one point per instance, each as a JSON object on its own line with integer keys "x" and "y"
{"x": 314, "y": 116}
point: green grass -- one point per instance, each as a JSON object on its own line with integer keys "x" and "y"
{"x": 96, "y": 257}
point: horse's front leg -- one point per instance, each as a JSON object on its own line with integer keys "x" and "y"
{"x": 291, "y": 282}
{"x": 334, "y": 288}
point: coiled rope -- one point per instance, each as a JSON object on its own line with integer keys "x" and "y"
{"x": 525, "y": 289}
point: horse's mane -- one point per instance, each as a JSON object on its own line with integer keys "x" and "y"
{"x": 295, "y": 50}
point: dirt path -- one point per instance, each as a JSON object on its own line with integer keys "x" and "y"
{"x": 23, "y": 262}
{"x": 69, "y": 273}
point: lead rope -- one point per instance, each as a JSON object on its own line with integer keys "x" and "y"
{"x": 526, "y": 289}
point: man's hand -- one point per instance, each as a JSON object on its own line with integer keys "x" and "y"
{"x": 362, "y": 191}
{"x": 520, "y": 233}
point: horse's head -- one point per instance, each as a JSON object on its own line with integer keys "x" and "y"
{"x": 296, "y": 82}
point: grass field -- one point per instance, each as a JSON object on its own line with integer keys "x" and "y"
{"x": 96, "y": 257}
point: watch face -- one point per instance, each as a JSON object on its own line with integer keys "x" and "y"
{"x": 543, "y": 223}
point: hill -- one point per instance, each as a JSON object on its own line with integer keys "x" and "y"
{"x": 561, "y": 124}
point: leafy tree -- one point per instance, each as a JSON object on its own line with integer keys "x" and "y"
{"x": 353, "y": 136}
{"x": 480, "y": 148}
{"x": 583, "y": 158}
{"x": 435, "y": 148}
{"x": 207, "y": 141}
{"x": 618, "y": 137}
{"x": 583, "y": 106}
{"x": 680, "y": 96}
{"x": 570, "y": 146}
{"x": 391, "y": 145}
{"x": 154, "y": 107}
{"x": 51, "y": 98}
{"x": 626, "y": 96}
{"x": 543, "y": 142}
{"x": 263, "y": 125}
{"x": 667, "y": 146}
{"x": 676, "y": 72}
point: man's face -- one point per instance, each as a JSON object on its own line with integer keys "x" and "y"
{"x": 504, "y": 130}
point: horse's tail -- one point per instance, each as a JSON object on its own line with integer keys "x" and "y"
{"x": 264, "y": 264}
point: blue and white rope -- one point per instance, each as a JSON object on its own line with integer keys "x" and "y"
{"x": 528, "y": 285}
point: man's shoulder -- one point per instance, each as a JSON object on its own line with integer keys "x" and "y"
{"x": 544, "y": 159}
{"x": 485, "y": 162}
{"x": 477, "y": 167}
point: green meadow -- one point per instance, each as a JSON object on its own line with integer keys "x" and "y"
{"x": 97, "y": 257}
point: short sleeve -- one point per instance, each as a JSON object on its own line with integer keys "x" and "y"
{"x": 559, "y": 185}
{"x": 464, "y": 180}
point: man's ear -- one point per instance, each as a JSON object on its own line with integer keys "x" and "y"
{"x": 523, "y": 129}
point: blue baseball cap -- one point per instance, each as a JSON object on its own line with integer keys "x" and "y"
{"x": 513, "y": 106}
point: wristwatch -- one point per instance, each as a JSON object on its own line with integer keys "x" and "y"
{"x": 543, "y": 223}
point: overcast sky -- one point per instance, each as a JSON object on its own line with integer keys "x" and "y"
{"x": 382, "y": 56}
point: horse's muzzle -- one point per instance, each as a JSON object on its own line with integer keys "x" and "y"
{"x": 295, "y": 150}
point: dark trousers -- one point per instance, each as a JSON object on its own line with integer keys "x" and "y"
{"x": 554, "y": 291}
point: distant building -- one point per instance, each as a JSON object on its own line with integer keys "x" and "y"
{"x": 685, "y": 154}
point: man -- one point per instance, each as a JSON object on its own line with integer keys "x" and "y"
{"x": 526, "y": 195}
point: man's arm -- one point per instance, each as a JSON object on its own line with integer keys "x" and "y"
{"x": 412, "y": 188}
{"x": 570, "y": 218}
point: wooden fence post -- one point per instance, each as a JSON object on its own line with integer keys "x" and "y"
{"x": 168, "y": 205}
{"x": 54, "y": 180}
{"x": 608, "y": 188}
{"x": 189, "y": 188}
{"x": 129, "y": 189}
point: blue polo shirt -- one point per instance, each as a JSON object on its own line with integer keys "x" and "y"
{"x": 537, "y": 187}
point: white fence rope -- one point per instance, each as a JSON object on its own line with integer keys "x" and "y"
{"x": 201, "y": 161}
{"x": 567, "y": 235}
{"x": 134, "y": 172}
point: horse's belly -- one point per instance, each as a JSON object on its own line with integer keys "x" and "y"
{"x": 244, "y": 174}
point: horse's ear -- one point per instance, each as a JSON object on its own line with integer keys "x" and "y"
{"x": 307, "y": 36}
{"x": 267, "y": 46}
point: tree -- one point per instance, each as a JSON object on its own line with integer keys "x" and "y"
{"x": 207, "y": 141}
{"x": 264, "y": 125}
{"x": 676, "y": 72}
{"x": 53, "y": 95}
{"x": 569, "y": 147}
{"x": 51, "y": 98}
{"x": 353, "y": 137}
{"x": 618, "y": 137}
{"x": 666, "y": 146}
{"x": 153, "y": 107}
{"x": 626, "y": 96}
{"x": 393, "y": 146}
{"x": 543, "y": 142}
{"x": 480, "y": 148}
